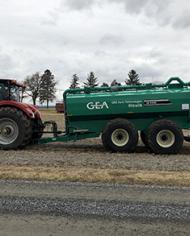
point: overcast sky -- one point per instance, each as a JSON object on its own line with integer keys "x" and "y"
{"x": 109, "y": 37}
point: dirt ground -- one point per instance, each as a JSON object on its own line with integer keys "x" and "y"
{"x": 17, "y": 225}
{"x": 90, "y": 153}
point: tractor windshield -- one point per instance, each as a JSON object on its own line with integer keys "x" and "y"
{"x": 15, "y": 93}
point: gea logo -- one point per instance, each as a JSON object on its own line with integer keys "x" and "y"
{"x": 97, "y": 105}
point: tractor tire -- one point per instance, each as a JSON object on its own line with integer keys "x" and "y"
{"x": 15, "y": 128}
{"x": 165, "y": 137}
{"x": 144, "y": 138}
{"x": 120, "y": 135}
{"x": 38, "y": 128}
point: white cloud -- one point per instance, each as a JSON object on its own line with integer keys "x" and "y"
{"x": 109, "y": 37}
{"x": 79, "y": 4}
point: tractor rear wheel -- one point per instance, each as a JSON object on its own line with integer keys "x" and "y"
{"x": 15, "y": 128}
{"x": 165, "y": 137}
{"x": 120, "y": 135}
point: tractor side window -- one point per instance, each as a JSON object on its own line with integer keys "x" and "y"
{"x": 4, "y": 92}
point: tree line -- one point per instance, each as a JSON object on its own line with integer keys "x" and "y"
{"x": 92, "y": 81}
{"x": 43, "y": 87}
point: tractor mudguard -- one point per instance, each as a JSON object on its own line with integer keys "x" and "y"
{"x": 29, "y": 110}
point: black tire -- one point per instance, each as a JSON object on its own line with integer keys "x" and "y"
{"x": 38, "y": 128}
{"x": 165, "y": 137}
{"x": 144, "y": 138}
{"x": 23, "y": 126}
{"x": 123, "y": 131}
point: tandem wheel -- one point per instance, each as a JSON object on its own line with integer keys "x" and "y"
{"x": 120, "y": 135}
{"x": 165, "y": 137}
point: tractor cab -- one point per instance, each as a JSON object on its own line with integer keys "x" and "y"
{"x": 11, "y": 90}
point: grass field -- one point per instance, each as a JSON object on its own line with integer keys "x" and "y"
{"x": 169, "y": 178}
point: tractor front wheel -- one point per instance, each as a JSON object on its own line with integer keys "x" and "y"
{"x": 15, "y": 129}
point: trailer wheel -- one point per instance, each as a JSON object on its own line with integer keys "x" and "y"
{"x": 144, "y": 138}
{"x": 120, "y": 135}
{"x": 165, "y": 137}
{"x": 15, "y": 129}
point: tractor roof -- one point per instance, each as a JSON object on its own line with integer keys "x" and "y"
{"x": 12, "y": 82}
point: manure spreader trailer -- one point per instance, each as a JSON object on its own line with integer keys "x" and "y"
{"x": 156, "y": 112}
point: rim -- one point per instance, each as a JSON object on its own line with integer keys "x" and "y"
{"x": 8, "y": 131}
{"x": 120, "y": 137}
{"x": 165, "y": 138}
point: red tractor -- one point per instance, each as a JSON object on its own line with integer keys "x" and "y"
{"x": 20, "y": 123}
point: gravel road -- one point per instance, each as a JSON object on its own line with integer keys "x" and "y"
{"x": 63, "y": 207}
{"x": 98, "y": 191}
{"x": 92, "y": 209}
{"x": 77, "y": 199}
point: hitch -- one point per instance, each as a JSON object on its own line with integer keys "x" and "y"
{"x": 53, "y": 125}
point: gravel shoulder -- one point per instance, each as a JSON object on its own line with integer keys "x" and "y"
{"x": 90, "y": 153}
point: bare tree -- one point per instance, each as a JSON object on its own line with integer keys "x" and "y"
{"x": 32, "y": 84}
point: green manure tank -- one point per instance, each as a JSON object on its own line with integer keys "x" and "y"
{"x": 156, "y": 113}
